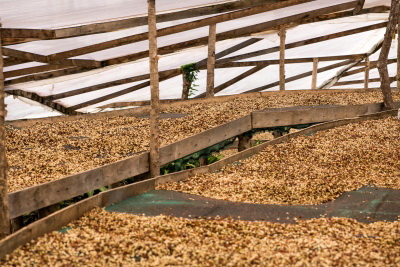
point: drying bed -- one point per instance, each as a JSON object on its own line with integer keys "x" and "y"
{"x": 101, "y": 238}
{"x": 308, "y": 169}
{"x": 48, "y": 151}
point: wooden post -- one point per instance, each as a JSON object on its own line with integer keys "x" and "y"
{"x": 186, "y": 87}
{"x": 212, "y": 38}
{"x": 4, "y": 209}
{"x": 367, "y": 68}
{"x": 282, "y": 35}
{"x": 154, "y": 85}
{"x": 382, "y": 61}
{"x": 314, "y": 73}
{"x": 398, "y": 55}
{"x": 244, "y": 142}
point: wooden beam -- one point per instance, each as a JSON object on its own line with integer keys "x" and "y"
{"x": 211, "y": 60}
{"x": 306, "y": 42}
{"x": 382, "y": 61}
{"x": 235, "y": 80}
{"x": 366, "y": 75}
{"x": 361, "y": 81}
{"x": 300, "y": 115}
{"x": 4, "y": 209}
{"x": 47, "y": 75}
{"x": 120, "y": 24}
{"x": 42, "y": 100}
{"x": 282, "y": 38}
{"x": 155, "y": 92}
{"x": 175, "y": 29}
{"x": 300, "y": 76}
{"x": 314, "y": 74}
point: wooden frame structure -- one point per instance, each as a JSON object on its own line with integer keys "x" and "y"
{"x": 65, "y": 63}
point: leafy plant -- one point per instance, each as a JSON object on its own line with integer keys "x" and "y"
{"x": 190, "y": 71}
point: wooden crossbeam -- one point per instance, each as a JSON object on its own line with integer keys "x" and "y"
{"x": 373, "y": 65}
{"x": 120, "y": 24}
{"x": 170, "y": 73}
{"x": 300, "y": 76}
{"x": 305, "y": 42}
{"x": 235, "y": 80}
{"x": 287, "y": 61}
{"x": 175, "y": 29}
{"x": 392, "y": 79}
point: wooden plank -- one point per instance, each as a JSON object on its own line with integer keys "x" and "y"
{"x": 314, "y": 74}
{"x": 48, "y": 224}
{"x": 50, "y": 193}
{"x": 45, "y": 59}
{"x": 46, "y": 75}
{"x": 361, "y": 81}
{"x": 240, "y": 77}
{"x": 11, "y": 61}
{"x": 155, "y": 92}
{"x": 230, "y": 34}
{"x": 282, "y": 38}
{"x": 305, "y": 42}
{"x": 300, "y": 76}
{"x": 205, "y": 139}
{"x": 4, "y": 206}
{"x": 265, "y": 119}
{"x": 211, "y": 60}
{"x": 120, "y": 24}
{"x": 42, "y": 100}
{"x": 176, "y": 29}
{"x": 287, "y": 61}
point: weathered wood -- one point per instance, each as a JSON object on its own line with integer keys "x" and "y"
{"x": 186, "y": 85}
{"x": 211, "y": 60}
{"x": 241, "y": 32}
{"x": 50, "y": 193}
{"x": 314, "y": 73}
{"x": 4, "y": 206}
{"x": 359, "y": 7}
{"x": 175, "y": 29}
{"x": 244, "y": 142}
{"x": 300, "y": 76}
{"x": 361, "y": 81}
{"x": 366, "y": 76}
{"x": 272, "y": 118}
{"x": 155, "y": 92}
{"x": 287, "y": 61}
{"x": 398, "y": 55}
{"x": 47, "y": 75}
{"x": 205, "y": 139}
{"x": 282, "y": 38}
{"x": 240, "y": 77}
{"x": 120, "y": 24}
{"x": 305, "y": 42}
{"x": 382, "y": 61}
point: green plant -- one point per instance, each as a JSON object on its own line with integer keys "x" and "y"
{"x": 190, "y": 71}
{"x": 214, "y": 158}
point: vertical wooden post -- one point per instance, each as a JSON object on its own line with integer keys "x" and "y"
{"x": 314, "y": 73}
{"x": 154, "y": 85}
{"x": 398, "y": 54}
{"x": 212, "y": 38}
{"x": 186, "y": 87}
{"x": 382, "y": 61}
{"x": 367, "y": 69}
{"x": 282, "y": 35}
{"x": 4, "y": 209}
{"x": 244, "y": 142}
